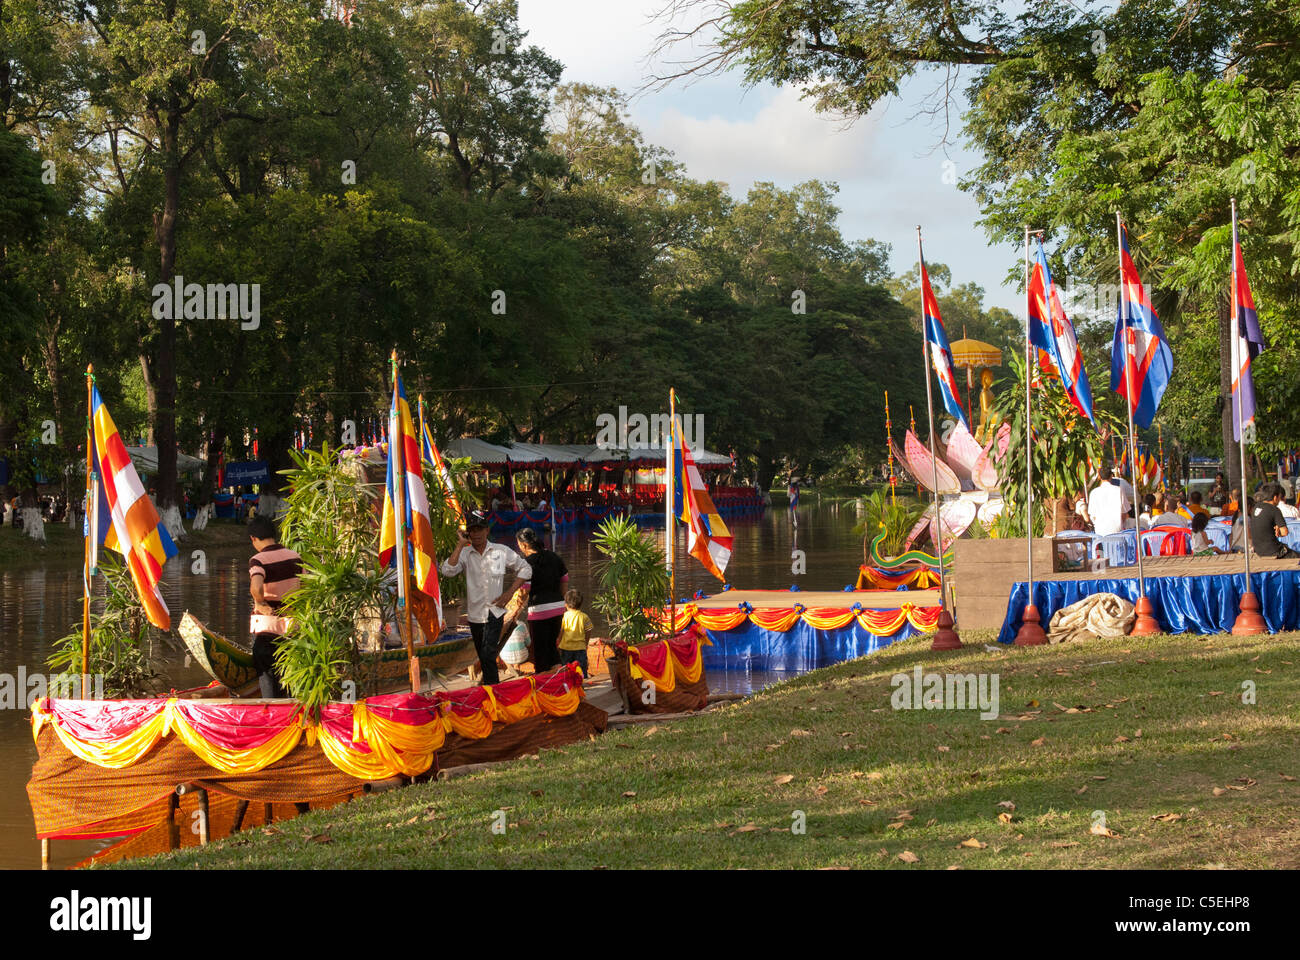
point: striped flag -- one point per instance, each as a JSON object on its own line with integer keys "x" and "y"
{"x": 431, "y": 455}
{"x": 415, "y": 532}
{"x": 1247, "y": 341}
{"x": 707, "y": 538}
{"x": 1051, "y": 331}
{"x": 125, "y": 518}
{"x": 1152, "y": 362}
{"x": 940, "y": 353}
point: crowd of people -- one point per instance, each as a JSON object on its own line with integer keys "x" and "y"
{"x": 1111, "y": 507}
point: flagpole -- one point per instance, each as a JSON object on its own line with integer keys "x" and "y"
{"x": 945, "y": 637}
{"x": 396, "y": 460}
{"x": 1031, "y": 632}
{"x": 1145, "y": 624}
{"x": 1248, "y": 622}
{"x": 669, "y": 516}
{"x": 90, "y": 531}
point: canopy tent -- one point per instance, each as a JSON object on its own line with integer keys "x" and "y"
{"x": 480, "y": 452}
{"x": 553, "y": 456}
{"x": 146, "y": 461}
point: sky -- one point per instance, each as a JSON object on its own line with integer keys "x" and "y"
{"x": 892, "y": 172}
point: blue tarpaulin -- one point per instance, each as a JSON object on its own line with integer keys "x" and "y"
{"x": 1196, "y": 604}
{"x": 799, "y": 649}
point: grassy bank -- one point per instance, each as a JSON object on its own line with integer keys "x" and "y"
{"x": 1151, "y": 732}
{"x": 63, "y": 545}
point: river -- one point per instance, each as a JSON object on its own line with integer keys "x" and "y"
{"x": 40, "y": 605}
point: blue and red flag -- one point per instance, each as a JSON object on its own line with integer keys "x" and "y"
{"x": 1140, "y": 337}
{"x": 1052, "y": 333}
{"x": 940, "y": 353}
{"x": 1247, "y": 341}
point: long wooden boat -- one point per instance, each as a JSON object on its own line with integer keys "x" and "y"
{"x": 231, "y": 663}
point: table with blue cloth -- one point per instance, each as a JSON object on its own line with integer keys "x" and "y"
{"x": 1205, "y": 603}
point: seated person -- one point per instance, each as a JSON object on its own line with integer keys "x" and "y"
{"x": 1201, "y": 545}
{"x": 1267, "y": 525}
{"x": 1289, "y": 510}
{"x": 1233, "y": 506}
{"x": 1148, "y": 511}
{"x": 1194, "y": 505}
{"x": 1164, "y": 517}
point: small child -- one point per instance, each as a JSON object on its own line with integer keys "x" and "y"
{"x": 1201, "y": 545}
{"x": 575, "y": 630}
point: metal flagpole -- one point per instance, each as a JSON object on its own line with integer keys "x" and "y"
{"x": 670, "y": 519}
{"x": 945, "y": 638}
{"x": 1145, "y": 624}
{"x": 92, "y": 531}
{"x": 396, "y": 449}
{"x": 1249, "y": 621}
{"x": 1031, "y": 632}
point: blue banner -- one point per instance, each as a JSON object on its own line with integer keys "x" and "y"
{"x": 246, "y": 473}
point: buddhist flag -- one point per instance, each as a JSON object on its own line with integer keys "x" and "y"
{"x": 940, "y": 353}
{"x": 1152, "y": 362}
{"x": 1051, "y": 331}
{"x": 1247, "y": 341}
{"x": 414, "y": 529}
{"x": 707, "y": 538}
{"x": 125, "y": 518}
{"x": 430, "y": 450}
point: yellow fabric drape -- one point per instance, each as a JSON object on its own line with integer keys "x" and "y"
{"x": 226, "y": 759}
{"x": 113, "y": 754}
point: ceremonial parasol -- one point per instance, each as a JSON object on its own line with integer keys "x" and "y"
{"x": 971, "y": 355}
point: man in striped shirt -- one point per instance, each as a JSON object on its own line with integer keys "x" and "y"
{"x": 273, "y": 575}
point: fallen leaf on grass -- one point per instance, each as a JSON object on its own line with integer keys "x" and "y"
{"x": 942, "y": 749}
{"x": 1004, "y": 818}
{"x": 1006, "y": 804}
{"x": 747, "y": 828}
{"x": 1038, "y": 743}
{"x": 820, "y": 790}
{"x": 1002, "y": 730}
{"x": 907, "y": 856}
{"x": 903, "y": 815}
{"x": 875, "y": 775}
{"x": 1082, "y": 790}
{"x": 954, "y": 866}
{"x": 1058, "y": 706}
{"x": 1216, "y": 693}
{"x": 1138, "y": 734}
{"x": 650, "y": 730}
{"x": 625, "y": 746}
{"x": 1032, "y": 703}
{"x": 1286, "y": 776}
{"x": 898, "y": 826}
{"x": 800, "y": 733}
{"x": 629, "y": 793}
{"x": 538, "y": 793}
{"x": 1097, "y": 830}
{"x": 1095, "y": 777}
{"x": 321, "y": 838}
{"x": 1218, "y": 791}
{"x": 1120, "y": 739}
{"x": 973, "y": 844}
{"x": 867, "y": 803}
{"x": 784, "y": 778}
{"x": 1065, "y": 843}
{"x": 271, "y": 831}
{"x": 1167, "y": 817}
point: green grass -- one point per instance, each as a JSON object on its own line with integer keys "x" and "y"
{"x": 873, "y": 782}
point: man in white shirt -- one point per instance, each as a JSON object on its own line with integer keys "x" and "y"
{"x": 485, "y": 566}
{"x": 1108, "y": 506}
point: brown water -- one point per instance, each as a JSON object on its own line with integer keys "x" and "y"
{"x": 38, "y": 606}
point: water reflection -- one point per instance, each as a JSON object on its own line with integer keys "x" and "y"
{"x": 39, "y": 606}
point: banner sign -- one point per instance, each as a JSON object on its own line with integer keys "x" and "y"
{"x": 246, "y": 473}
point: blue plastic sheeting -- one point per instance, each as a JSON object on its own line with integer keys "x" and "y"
{"x": 799, "y": 649}
{"x": 1203, "y": 604}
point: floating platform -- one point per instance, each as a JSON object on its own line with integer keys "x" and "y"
{"x": 798, "y": 630}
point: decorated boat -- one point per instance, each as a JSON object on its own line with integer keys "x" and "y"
{"x": 231, "y": 663}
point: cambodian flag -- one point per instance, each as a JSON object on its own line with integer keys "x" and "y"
{"x": 1051, "y": 331}
{"x": 1247, "y": 343}
{"x": 1138, "y": 326}
{"x": 940, "y": 353}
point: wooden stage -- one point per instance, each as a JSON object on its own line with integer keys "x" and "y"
{"x": 837, "y": 599}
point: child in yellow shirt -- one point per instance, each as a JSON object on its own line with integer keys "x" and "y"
{"x": 575, "y": 631}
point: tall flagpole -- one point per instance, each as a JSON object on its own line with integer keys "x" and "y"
{"x": 670, "y": 518}
{"x": 1031, "y": 632}
{"x": 396, "y": 452}
{"x": 92, "y": 531}
{"x": 1249, "y": 621}
{"x": 1144, "y": 624}
{"x": 945, "y": 638}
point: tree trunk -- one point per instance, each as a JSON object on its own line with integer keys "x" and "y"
{"x": 1231, "y": 455}
{"x": 164, "y": 360}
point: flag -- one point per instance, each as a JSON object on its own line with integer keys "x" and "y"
{"x": 1051, "y": 331}
{"x": 126, "y": 520}
{"x": 431, "y": 455}
{"x": 707, "y": 538}
{"x": 1152, "y": 363}
{"x": 1247, "y": 341}
{"x": 940, "y": 353}
{"x": 418, "y": 537}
